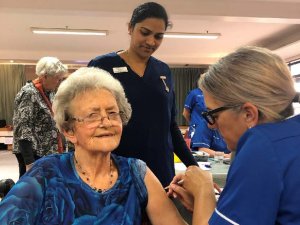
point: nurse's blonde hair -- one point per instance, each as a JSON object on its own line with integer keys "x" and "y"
{"x": 256, "y": 75}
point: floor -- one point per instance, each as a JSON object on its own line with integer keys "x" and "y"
{"x": 8, "y": 165}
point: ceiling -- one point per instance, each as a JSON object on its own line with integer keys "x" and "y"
{"x": 274, "y": 24}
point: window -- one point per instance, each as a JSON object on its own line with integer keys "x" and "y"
{"x": 295, "y": 71}
{"x": 295, "y": 68}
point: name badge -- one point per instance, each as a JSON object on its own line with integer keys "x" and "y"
{"x": 120, "y": 69}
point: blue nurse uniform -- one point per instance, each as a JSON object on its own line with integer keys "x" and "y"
{"x": 201, "y": 135}
{"x": 262, "y": 186}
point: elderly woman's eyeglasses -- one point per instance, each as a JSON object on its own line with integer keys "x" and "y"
{"x": 95, "y": 119}
{"x": 209, "y": 115}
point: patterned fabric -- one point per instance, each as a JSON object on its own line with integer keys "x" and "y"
{"x": 52, "y": 193}
{"x": 33, "y": 122}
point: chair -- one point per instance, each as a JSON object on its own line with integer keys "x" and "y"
{"x": 5, "y": 186}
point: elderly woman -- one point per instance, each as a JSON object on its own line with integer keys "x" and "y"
{"x": 35, "y": 134}
{"x": 249, "y": 96}
{"x": 90, "y": 185}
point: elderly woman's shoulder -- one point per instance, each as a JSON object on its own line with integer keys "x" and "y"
{"x": 55, "y": 165}
{"x": 53, "y": 160}
{"x": 27, "y": 92}
{"x": 28, "y": 88}
{"x": 126, "y": 159}
{"x": 133, "y": 163}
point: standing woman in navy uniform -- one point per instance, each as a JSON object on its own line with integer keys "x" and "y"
{"x": 152, "y": 134}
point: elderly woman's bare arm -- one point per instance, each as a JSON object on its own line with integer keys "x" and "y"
{"x": 160, "y": 208}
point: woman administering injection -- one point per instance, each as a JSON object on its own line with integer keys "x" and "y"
{"x": 152, "y": 133}
{"x": 257, "y": 123}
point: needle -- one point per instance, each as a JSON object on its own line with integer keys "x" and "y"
{"x": 178, "y": 183}
{"x": 216, "y": 187}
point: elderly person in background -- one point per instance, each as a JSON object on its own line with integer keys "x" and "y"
{"x": 249, "y": 96}
{"x": 34, "y": 131}
{"x": 90, "y": 185}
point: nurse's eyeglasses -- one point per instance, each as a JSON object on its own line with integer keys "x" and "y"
{"x": 209, "y": 115}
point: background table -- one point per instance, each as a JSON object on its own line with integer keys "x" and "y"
{"x": 218, "y": 170}
{"x": 6, "y": 139}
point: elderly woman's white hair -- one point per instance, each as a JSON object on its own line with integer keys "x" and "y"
{"x": 85, "y": 79}
{"x": 50, "y": 66}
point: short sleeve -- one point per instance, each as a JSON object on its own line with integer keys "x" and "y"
{"x": 138, "y": 170}
{"x": 253, "y": 184}
{"x": 189, "y": 101}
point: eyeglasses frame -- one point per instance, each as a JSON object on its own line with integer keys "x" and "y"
{"x": 83, "y": 120}
{"x": 209, "y": 114}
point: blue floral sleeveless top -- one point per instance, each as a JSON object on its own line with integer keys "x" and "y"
{"x": 53, "y": 193}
